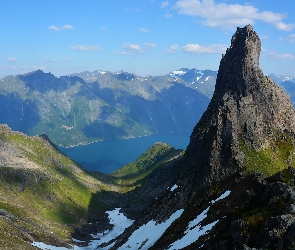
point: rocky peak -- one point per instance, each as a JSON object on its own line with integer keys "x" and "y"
{"x": 247, "y": 108}
{"x": 239, "y": 67}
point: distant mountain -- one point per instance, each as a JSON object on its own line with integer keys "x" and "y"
{"x": 91, "y": 106}
{"x": 202, "y": 80}
{"x": 287, "y": 83}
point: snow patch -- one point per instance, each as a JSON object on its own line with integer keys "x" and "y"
{"x": 174, "y": 187}
{"x": 120, "y": 222}
{"x": 207, "y": 78}
{"x": 194, "y": 229}
{"x": 149, "y": 233}
{"x": 224, "y": 195}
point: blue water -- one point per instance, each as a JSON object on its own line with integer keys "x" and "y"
{"x": 107, "y": 156}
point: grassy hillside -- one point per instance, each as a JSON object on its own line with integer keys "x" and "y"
{"x": 153, "y": 157}
{"x": 44, "y": 194}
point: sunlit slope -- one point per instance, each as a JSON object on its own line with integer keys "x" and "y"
{"x": 157, "y": 154}
{"x": 44, "y": 195}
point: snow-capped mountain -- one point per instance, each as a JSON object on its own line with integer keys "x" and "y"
{"x": 202, "y": 80}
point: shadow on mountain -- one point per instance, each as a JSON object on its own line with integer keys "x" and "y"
{"x": 175, "y": 109}
{"x": 146, "y": 191}
{"x": 43, "y": 82}
{"x": 97, "y": 218}
{"x": 97, "y": 129}
{"x": 21, "y": 115}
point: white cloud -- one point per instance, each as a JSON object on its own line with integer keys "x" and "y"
{"x": 284, "y": 26}
{"x": 144, "y": 30}
{"x": 103, "y": 28}
{"x": 11, "y": 59}
{"x": 53, "y": 27}
{"x": 277, "y": 56}
{"x": 65, "y": 27}
{"x": 198, "y": 49}
{"x": 208, "y": 49}
{"x": 164, "y": 4}
{"x": 291, "y": 38}
{"x": 133, "y": 48}
{"x": 136, "y": 48}
{"x": 48, "y": 59}
{"x": 173, "y": 48}
{"x": 228, "y": 16}
{"x": 85, "y": 48}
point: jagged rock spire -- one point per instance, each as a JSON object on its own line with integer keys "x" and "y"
{"x": 245, "y": 106}
{"x": 239, "y": 67}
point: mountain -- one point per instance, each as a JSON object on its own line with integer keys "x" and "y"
{"x": 93, "y": 106}
{"x": 287, "y": 83}
{"x": 45, "y": 196}
{"x": 201, "y": 80}
{"x": 234, "y": 186}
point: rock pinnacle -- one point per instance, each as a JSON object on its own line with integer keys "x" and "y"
{"x": 246, "y": 108}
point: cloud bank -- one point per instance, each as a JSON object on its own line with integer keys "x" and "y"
{"x": 199, "y": 49}
{"x": 229, "y": 16}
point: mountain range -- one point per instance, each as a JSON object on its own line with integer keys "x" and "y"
{"x": 232, "y": 188}
{"x": 93, "y": 106}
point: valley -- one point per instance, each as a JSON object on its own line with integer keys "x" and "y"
{"x": 233, "y": 187}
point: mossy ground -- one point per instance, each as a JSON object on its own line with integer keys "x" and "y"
{"x": 277, "y": 156}
{"x": 54, "y": 195}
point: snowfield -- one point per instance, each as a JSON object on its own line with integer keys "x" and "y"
{"x": 120, "y": 222}
{"x": 145, "y": 236}
{"x": 194, "y": 229}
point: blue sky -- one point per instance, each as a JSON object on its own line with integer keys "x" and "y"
{"x": 145, "y": 37}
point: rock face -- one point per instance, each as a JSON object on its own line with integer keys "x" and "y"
{"x": 246, "y": 107}
{"x": 245, "y": 135}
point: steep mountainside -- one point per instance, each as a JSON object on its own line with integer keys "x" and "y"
{"x": 94, "y": 106}
{"x": 221, "y": 196}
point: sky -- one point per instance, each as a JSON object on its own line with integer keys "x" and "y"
{"x": 145, "y": 37}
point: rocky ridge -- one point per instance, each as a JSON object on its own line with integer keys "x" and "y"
{"x": 246, "y": 108}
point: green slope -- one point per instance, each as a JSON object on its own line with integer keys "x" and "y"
{"x": 151, "y": 159}
{"x": 44, "y": 195}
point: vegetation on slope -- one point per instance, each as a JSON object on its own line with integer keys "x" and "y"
{"x": 276, "y": 156}
{"x": 153, "y": 157}
{"x": 44, "y": 194}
